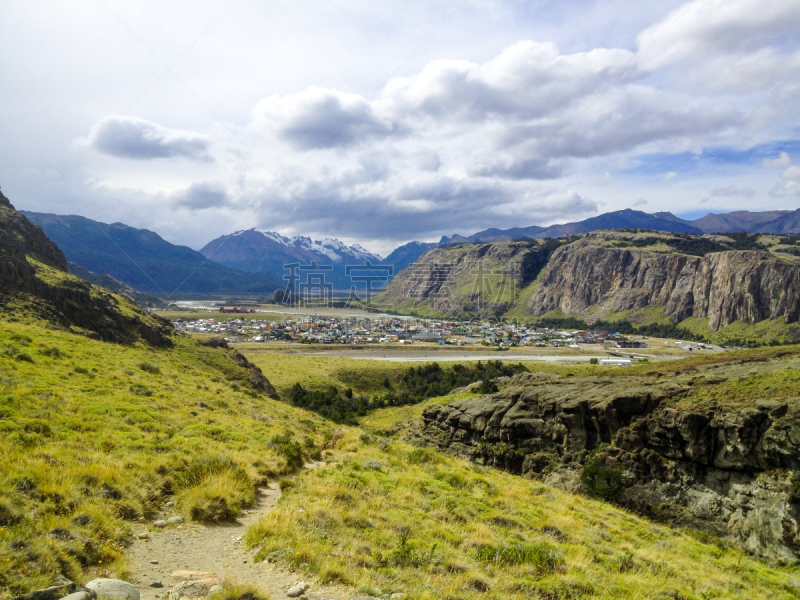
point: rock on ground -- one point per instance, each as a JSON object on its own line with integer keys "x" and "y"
{"x": 114, "y": 589}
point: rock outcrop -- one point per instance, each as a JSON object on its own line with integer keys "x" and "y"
{"x": 729, "y": 470}
{"x": 720, "y": 278}
{"x": 734, "y": 285}
{"x": 33, "y": 271}
{"x": 483, "y": 279}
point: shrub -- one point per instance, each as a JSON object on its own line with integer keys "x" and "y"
{"x": 13, "y": 352}
{"x": 239, "y": 591}
{"x": 605, "y": 482}
{"x": 286, "y": 446}
{"x": 214, "y": 489}
{"x": 141, "y": 390}
{"x": 149, "y": 368}
{"x": 424, "y": 456}
{"x": 51, "y": 352}
{"x": 593, "y": 361}
{"x": 541, "y": 555}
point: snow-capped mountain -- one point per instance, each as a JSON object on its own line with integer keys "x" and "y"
{"x": 257, "y": 251}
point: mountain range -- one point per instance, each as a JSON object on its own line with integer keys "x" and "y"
{"x": 256, "y": 251}
{"x": 252, "y": 261}
{"x": 143, "y": 260}
{"x": 785, "y": 222}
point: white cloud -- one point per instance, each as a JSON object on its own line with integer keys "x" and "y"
{"x": 783, "y": 160}
{"x": 704, "y": 28}
{"x": 791, "y": 183}
{"x": 138, "y": 139}
{"x": 670, "y": 176}
{"x": 320, "y": 118}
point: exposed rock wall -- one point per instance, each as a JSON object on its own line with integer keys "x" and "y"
{"x": 470, "y": 278}
{"x": 58, "y": 297}
{"x": 723, "y": 286}
{"x": 729, "y": 471}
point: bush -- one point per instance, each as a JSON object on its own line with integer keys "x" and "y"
{"x": 13, "y": 352}
{"x": 286, "y": 446}
{"x": 214, "y": 489}
{"x": 424, "y": 455}
{"x": 149, "y": 368}
{"x": 604, "y": 482}
{"x": 141, "y": 390}
{"x": 541, "y": 555}
{"x": 593, "y": 361}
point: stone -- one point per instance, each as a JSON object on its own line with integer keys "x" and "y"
{"x": 297, "y": 590}
{"x": 160, "y": 523}
{"x": 53, "y": 592}
{"x": 193, "y": 588}
{"x": 153, "y": 562}
{"x": 157, "y": 584}
{"x": 175, "y": 520}
{"x": 82, "y": 595}
{"x": 143, "y": 536}
{"x": 113, "y": 589}
{"x": 215, "y": 589}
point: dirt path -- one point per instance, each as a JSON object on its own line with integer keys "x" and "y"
{"x": 219, "y": 549}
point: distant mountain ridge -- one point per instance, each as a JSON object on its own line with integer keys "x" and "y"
{"x": 143, "y": 260}
{"x": 784, "y": 222}
{"x": 257, "y": 251}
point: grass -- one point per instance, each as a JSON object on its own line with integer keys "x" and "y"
{"x": 95, "y": 436}
{"x": 315, "y": 372}
{"x": 433, "y": 526}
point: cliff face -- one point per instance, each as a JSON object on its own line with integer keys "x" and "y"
{"x": 731, "y": 470}
{"x": 469, "y": 278}
{"x": 33, "y": 271}
{"x": 723, "y": 286}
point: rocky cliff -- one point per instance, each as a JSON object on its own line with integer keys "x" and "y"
{"x": 726, "y": 286}
{"x": 34, "y": 277}
{"x": 653, "y": 443}
{"x": 724, "y": 279}
{"x": 482, "y": 279}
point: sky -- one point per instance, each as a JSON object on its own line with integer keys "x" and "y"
{"x": 383, "y": 122}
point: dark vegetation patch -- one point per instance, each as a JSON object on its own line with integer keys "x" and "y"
{"x": 414, "y": 386}
{"x": 696, "y": 245}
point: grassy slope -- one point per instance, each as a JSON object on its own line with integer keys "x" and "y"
{"x": 439, "y": 527}
{"x": 387, "y": 518}
{"x": 89, "y": 451}
{"x": 95, "y": 435}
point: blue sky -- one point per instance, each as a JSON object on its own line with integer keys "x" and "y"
{"x": 379, "y": 123}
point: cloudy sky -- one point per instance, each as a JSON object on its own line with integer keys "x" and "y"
{"x": 383, "y": 122}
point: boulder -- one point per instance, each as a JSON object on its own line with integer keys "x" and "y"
{"x": 114, "y": 589}
{"x": 194, "y": 588}
{"x": 297, "y": 590}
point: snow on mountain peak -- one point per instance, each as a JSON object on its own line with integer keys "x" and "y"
{"x": 331, "y": 248}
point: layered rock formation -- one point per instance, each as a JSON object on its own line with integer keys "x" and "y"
{"x": 469, "y": 278}
{"x": 711, "y": 276}
{"x": 732, "y": 470}
{"x": 728, "y": 286}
